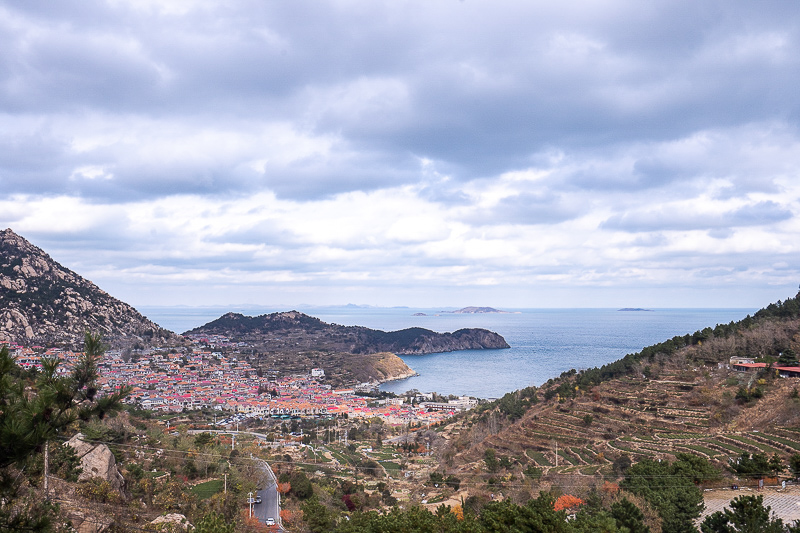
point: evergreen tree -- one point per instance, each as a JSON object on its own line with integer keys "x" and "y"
{"x": 33, "y": 413}
{"x": 746, "y": 514}
{"x": 787, "y": 358}
{"x": 794, "y": 464}
{"x": 316, "y": 516}
{"x": 538, "y": 515}
{"x": 775, "y": 464}
{"x": 600, "y": 522}
{"x": 670, "y": 488}
{"x": 628, "y": 515}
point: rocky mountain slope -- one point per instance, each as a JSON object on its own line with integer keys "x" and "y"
{"x": 42, "y": 302}
{"x": 294, "y": 331}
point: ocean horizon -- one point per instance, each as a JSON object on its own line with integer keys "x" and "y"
{"x": 544, "y": 342}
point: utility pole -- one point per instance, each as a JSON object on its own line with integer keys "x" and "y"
{"x": 556, "y": 454}
{"x": 46, "y": 469}
{"x": 226, "y": 483}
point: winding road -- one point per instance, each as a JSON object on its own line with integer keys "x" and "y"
{"x": 270, "y": 506}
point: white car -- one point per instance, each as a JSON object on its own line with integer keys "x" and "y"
{"x": 270, "y": 521}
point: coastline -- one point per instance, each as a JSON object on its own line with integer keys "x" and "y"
{"x": 405, "y": 375}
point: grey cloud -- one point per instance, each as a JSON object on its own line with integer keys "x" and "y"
{"x": 487, "y": 87}
{"x": 265, "y": 233}
{"x": 29, "y": 160}
{"x": 656, "y": 172}
{"x": 720, "y": 233}
{"x": 755, "y": 214}
{"x": 650, "y": 240}
{"x": 760, "y": 214}
{"x": 529, "y": 208}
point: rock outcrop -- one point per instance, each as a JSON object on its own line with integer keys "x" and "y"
{"x": 293, "y": 331}
{"x": 171, "y": 522}
{"x": 42, "y": 302}
{"x": 97, "y": 461}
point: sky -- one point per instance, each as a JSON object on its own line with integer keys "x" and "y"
{"x": 601, "y": 153}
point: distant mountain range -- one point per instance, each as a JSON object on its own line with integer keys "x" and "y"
{"x": 42, "y": 302}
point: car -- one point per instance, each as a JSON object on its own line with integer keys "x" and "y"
{"x": 270, "y": 521}
{"x": 258, "y": 499}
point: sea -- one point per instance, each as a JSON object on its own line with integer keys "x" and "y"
{"x": 544, "y": 342}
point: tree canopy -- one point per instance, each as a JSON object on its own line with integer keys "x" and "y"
{"x": 36, "y": 409}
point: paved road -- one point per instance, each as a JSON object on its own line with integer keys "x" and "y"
{"x": 270, "y": 507}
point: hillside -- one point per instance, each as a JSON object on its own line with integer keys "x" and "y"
{"x": 42, "y": 302}
{"x": 680, "y": 396}
{"x": 294, "y": 331}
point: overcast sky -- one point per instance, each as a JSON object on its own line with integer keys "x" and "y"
{"x": 425, "y": 153}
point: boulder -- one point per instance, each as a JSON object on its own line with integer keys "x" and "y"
{"x": 97, "y": 461}
{"x": 171, "y": 522}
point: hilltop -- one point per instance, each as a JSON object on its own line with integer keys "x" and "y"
{"x": 295, "y": 331}
{"x": 42, "y": 302}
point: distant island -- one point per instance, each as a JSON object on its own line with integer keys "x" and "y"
{"x": 634, "y": 309}
{"x": 477, "y": 310}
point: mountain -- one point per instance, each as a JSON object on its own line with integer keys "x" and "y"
{"x": 295, "y": 331}
{"x": 42, "y": 302}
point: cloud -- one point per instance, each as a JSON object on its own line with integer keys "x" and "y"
{"x": 528, "y": 208}
{"x": 390, "y": 145}
{"x": 686, "y": 218}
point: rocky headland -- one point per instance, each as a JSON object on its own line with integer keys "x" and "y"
{"x": 295, "y": 331}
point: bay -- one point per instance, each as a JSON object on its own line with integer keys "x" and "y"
{"x": 544, "y": 342}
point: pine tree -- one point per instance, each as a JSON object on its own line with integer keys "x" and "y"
{"x": 628, "y": 515}
{"x": 746, "y": 514}
{"x": 35, "y": 412}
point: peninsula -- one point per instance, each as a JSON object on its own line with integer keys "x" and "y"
{"x": 293, "y": 331}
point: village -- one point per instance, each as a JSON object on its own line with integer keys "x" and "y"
{"x": 175, "y": 381}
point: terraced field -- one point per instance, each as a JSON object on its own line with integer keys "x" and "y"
{"x": 685, "y": 412}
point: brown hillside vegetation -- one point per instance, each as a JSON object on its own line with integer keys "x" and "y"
{"x": 340, "y": 368}
{"x": 666, "y": 400}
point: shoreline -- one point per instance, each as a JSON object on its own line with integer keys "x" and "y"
{"x": 405, "y": 375}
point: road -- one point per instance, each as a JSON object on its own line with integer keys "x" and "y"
{"x": 270, "y": 507}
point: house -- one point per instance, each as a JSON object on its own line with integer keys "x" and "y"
{"x": 748, "y": 367}
{"x": 789, "y": 371}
